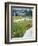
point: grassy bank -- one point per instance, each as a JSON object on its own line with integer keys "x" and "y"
{"x": 19, "y": 28}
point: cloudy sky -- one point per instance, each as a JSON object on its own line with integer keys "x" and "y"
{"x": 20, "y": 11}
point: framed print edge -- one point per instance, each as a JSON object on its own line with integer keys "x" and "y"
{"x": 7, "y": 23}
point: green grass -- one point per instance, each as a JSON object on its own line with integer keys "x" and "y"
{"x": 19, "y": 28}
{"x": 17, "y": 17}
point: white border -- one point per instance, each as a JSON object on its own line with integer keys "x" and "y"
{"x": 34, "y": 29}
